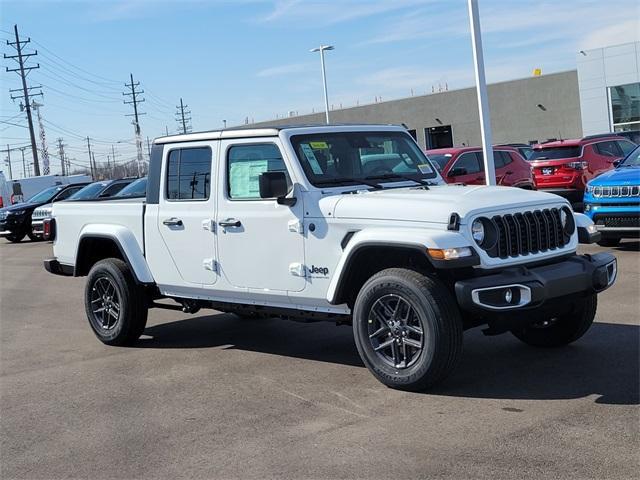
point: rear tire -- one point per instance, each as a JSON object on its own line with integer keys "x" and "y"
{"x": 563, "y": 330}
{"x": 15, "y": 237}
{"x": 391, "y": 309}
{"x": 609, "y": 242}
{"x": 115, "y": 305}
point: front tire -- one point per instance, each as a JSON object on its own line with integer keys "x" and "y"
{"x": 15, "y": 237}
{"x": 609, "y": 242}
{"x": 407, "y": 328}
{"x": 562, "y": 330}
{"x": 115, "y": 305}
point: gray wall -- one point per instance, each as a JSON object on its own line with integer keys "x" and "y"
{"x": 515, "y": 116}
{"x": 599, "y": 69}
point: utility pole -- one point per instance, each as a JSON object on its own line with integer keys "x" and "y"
{"x": 93, "y": 177}
{"x": 23, "y": 72}
{"x": 61, "y": 155}
{"x": 135, "y": 100}
{"x": 149, "y": 148}
{"x": 95, "y": 165}
{"x": 183, "y": 117}
{"x": 24, "y": 165}
{"x": 43, "y": 139}
{"x": 9, "y": 162}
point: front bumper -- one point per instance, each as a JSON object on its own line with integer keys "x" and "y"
{"x": 525, "y": 288}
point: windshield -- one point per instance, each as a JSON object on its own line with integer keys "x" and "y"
{"x": 134, "y": 189}
{"x": 440, "y": 161}
{"x": 90, "y": 191}
{"x": 338, "y": 158}
{"x": 45, "y": 195}
{"x": 632, "y": 160}
{"x": 554, "y": 153}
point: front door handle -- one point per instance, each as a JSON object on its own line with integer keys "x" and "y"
{"x": 172, "y": 222}
{"x": 230, "y": 222}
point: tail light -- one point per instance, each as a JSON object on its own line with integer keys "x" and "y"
{"x": 49, "y": 229}
{"x": 577, "y": 165}
{"x": 1, "y": 203}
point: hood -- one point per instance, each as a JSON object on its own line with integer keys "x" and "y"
{"x": 618, "y": 176}
{"x": 436, "y": 204}
{"x": 21, "y": 206}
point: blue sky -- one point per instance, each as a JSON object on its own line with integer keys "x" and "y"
{"x": 231, "y": 59}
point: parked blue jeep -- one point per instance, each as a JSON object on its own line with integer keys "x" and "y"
{"x": 612, "y": 200}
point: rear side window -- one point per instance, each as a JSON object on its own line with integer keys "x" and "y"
{"x": 555, "y": 153}
{"x": 189, "y": 174}
{"x": 245, "y": 163}
{"x": 608, "y": 149}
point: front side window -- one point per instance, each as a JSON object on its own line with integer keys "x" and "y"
{"x": 626, "y": 147}
{"x": 633, "y": 160}
{"x": 136, "y": 189}
{"x": 339, "y": 158}
{"x": 88, "y": 192}
{"x": 68, "y": 193}
{"x": 189, "y": 174}
{"x": 470, "y": 161}
{"x": 245, "y": 163}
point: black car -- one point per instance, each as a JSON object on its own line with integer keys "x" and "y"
{"x": 101, "y": 189}
{"x": 15, "y": 221}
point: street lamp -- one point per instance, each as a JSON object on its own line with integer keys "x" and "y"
{"x": 321, "y": 49}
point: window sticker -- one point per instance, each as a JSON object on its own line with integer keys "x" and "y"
{"x": 244, "y": 178}
{"x": 425, "y": 168}
{"x": 319, "y": 145}
{"x": 311, "y": 158}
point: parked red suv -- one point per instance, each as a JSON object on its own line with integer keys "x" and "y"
{"x": 466, "y": 165}
{"x": 564, "y": 167}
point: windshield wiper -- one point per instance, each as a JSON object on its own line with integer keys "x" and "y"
{"x": 329, "y": 181}
{"x": 413, "y": 178}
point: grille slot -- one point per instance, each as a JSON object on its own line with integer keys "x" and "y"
{"x": 528, "y": 232}
{"x": 617, "y": 221}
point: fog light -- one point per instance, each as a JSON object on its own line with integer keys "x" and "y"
{"x": 592, "y": 228}
{"x": 508, "y": 295}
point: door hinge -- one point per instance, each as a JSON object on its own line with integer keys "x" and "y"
{"x": 210, "y": 264}
{"x": 209, "y": 224}
{"x": 297, "y": 269}
{"x": 296, "y": 226}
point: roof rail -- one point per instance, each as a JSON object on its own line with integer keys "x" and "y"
{"x": 601, "y": 135}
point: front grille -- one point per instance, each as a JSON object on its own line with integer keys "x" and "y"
{"x": 40, "y": 214}
{"x": 3, "y": 215}
{"x": 616, "y": 191}
{"x": 617, "y": 221}
{"x": 528, "y": 232}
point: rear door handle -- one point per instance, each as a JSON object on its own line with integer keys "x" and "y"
{"x": 172, "y": 222}
{"x": 230, "y": 222}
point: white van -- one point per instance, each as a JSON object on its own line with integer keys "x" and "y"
{"x": 17, "y": 191}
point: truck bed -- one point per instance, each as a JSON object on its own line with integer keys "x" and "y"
{"x": 100, "y": 217}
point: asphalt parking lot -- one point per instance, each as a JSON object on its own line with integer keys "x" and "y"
{"x": 212, "y": 396}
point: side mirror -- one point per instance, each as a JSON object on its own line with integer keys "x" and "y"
{"x": 274, "y": 185}
{"x": 616, "y": 163}
{"x": 457, "y": 171}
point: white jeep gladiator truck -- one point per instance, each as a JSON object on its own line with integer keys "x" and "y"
{"x": 348, "y": 223}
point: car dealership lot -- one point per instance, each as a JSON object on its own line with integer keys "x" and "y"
{"x": 210, "y": 395}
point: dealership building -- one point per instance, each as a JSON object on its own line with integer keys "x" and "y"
{"x": 601, "y": 95}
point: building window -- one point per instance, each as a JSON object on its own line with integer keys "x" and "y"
{"x": 625, "y": 107}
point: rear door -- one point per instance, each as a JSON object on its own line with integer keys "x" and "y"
{"x": 186, "y": 211}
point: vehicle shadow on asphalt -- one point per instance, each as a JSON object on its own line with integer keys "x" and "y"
{"x": 628, "y": 246}
{"x": 603, "y": 363}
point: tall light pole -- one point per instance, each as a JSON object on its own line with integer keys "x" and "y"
{"x": 481, "y": 87}
{"x": 321, "y": 49}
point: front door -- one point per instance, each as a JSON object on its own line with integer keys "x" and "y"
{"x": 469, "y": 168}
{"x": 186, "y": 212}
{"x": 261, "y": 242}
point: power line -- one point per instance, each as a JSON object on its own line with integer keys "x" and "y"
{"x": 23, "y": 72}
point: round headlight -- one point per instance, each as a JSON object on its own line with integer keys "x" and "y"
{"x": 477, "y": 231}
{"x": 568, "y": 223}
